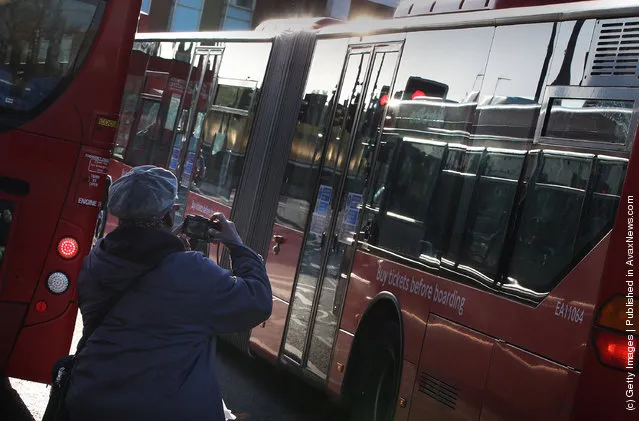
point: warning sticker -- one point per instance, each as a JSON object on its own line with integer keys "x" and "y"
{"x": 98, "y": 164}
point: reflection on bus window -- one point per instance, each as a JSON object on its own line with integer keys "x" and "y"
{"x": 220, "y": 147}
{"x": 132, "y": 90}
{"x": 143, "y": 142}
{"x": 509, "y": 102}
{"x": 457, "y": 186}
{"x": 486, "y": 225}
{"x": 587, "y": 119}
{"x": 158, "y": 71}
{"x": 601, "y": 207}
{"x": 226, "y": 131}
{"x": 544, "y": 244}
{"x": 308, "y": 141}
{"x": 39, "y": 42}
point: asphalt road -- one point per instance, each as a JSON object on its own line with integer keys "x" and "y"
{"x": 256, "y": 391}
{"x": 253, "y": 390}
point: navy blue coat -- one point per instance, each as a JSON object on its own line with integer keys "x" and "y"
{"x": 153, "y": 356}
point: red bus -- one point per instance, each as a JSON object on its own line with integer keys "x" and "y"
{"x": 445, "y": 199}
{"x": 62, "y": 70}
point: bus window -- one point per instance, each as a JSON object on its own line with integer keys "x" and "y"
{"x": 409, "y": 189}
{"x": 587, "y": 119}
{"x": 601, "y": 206}
{"x": 489, "y": 213}
{"x": 437, "y": 101}
{"x": 302, "y": 169}
{"x": 548, "y": 227}
{"x": 132, "y": 90}
{"x": 431, "y": 107}
{"x": 509, "y": 103}
{"x": 143, "y": 142}
{"x": 40, "y": 42}
{"x": 571, "y": 52}
{"x": 223, "y": 133}
{"x": 460, "y": 193}
{"x": 387, "y": 149}
{"x": 154, "y": 91}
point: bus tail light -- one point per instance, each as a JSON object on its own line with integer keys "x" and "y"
{"x": 609, "y": 336}
{"x": 41, "y": 306}
{"x": 613, "y": 313}
{"x": 68, "y": 248}
{"x": 58, "y": 282}
{"x": 612, "y": 348}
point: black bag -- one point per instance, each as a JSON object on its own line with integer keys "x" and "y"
{"x": 56, "y": 407}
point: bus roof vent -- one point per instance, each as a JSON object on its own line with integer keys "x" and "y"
{"x": 614, "y": 54}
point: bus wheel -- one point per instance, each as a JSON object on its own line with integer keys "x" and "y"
{"x": 375, "y": 390}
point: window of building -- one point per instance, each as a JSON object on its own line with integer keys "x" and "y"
{"x": 186, "y": 15}
{"x": 248, "y": 4}
{"x": 146, "y": 6}
{"x": 237, "y": 18}
{"x": 194, "y": 4}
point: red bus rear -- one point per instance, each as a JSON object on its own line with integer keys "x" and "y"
{"x": 62, "y": 71}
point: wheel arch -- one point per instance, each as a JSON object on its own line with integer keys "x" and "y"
{"x": 383, "y": 308}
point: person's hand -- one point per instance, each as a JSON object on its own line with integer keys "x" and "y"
{"x": 177, "y": 231}
{"x": 227, "y": 234}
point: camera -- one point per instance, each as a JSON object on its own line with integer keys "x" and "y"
{"x": 197, "y": 227}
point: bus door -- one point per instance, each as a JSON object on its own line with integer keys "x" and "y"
{"x": 352, "y": 134}
{"x": 186, "y": 144}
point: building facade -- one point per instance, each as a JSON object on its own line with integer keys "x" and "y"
{"x": 214, "y": 15}
{"x": 338, "y": 9}
{"x": 198, "y": 15}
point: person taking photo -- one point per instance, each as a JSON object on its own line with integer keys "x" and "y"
{"x": 152, "y": 355}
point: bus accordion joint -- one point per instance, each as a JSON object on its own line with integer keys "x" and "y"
{"x": 611, "y": 341}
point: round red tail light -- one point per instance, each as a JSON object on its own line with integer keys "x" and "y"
{"x": 41, "y": 306}
{"x": 68, "y": 248}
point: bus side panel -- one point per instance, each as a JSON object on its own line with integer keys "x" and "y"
{"x": 266, "y": 338}
{"x": 606, "y": 393}
{"x": 452, "y": 372}
{"x": 523, "y": 386}
{"x": 199, "y": 205}
{"x": 341, "y": 352}
{"x": 281, "y": 267}
{"x": 47, "y": 166}
{"x": 11, "y": 315}
{"x": 28, "y": 361}
{"x": 420, "y": 293}
{"x": 370, "y": 276}
{"x": 406, "y": 387}
{"x": 117, "y": 169}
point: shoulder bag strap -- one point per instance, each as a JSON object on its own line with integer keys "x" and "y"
{"x": 104, "y": 311}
